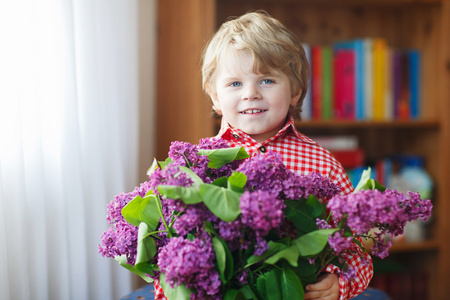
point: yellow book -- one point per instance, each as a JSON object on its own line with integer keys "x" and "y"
{"x": 379, "y": 67}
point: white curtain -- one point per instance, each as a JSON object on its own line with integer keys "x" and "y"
{"x": 69, "y": 99}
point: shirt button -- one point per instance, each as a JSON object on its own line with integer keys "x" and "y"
{"x": 262, "y": 149}
{"x": 235, "y": 135}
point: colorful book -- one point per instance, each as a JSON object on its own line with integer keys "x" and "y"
{"x": 345, "y": 84}
{"x": 306, "y": 113}
{"x": 396, "y": 81}
{"x": 368, "y": 78}
{"x": 414, "y": 82}
{"x": 327, "y": 83}
{"x": 379, "y": 77}
{"x": 357, "y": 46}
{"x": 316, "y": 81}
{"x": 388, "y": 113}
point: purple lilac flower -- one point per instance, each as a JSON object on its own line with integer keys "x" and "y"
{"x": 322, "y": 224}
{"x": 191, "y": 263}
{"x": 242, "y": 277}
{"x": 389, "y": 210}
{"x": 381, "y": 246}
{"x": 261, "y": 246}
{"x": 121, "y": 237}
{"x": 234, "y": 234}
{"x": 268, "y": 172}
{"x": 194, "y": 217}
{"x": 339, "y": 243}
{"x": 261, "y": 211}
{"x": 265, "y": 172}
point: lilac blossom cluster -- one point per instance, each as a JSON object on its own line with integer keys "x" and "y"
{"x": 269, "y": 173}
{"x": 261, "y": 211}
{"x": 387, "y": 211}
{"x": 191, "y": 263}
{"x": 121, "y": 237}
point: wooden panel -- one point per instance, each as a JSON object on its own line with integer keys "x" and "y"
{"x": 443, "y": 99}
{"x": 183, "y": 110}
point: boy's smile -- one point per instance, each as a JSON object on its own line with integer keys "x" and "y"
{"x": 255, "y": 103}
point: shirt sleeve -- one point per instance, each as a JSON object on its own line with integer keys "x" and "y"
{"x": 159, "y": 293}
{"x": 362, "y": 264}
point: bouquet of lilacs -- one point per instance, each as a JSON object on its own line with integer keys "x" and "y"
{"x": 213, "y": 223}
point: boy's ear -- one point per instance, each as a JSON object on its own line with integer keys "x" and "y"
{"x": 296, "y": 98}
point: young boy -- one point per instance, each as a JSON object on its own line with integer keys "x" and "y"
{"x": 256, "y": 73}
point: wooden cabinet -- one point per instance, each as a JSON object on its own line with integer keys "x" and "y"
{"x": 184, "y": 111}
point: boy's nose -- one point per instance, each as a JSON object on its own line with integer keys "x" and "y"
{"x": 251, "y": 93}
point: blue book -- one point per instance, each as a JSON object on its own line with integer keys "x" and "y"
{"x": 357, "y": 46}
{"x": 414, "y": 81}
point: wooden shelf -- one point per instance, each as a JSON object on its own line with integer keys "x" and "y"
{"x": 430, "y": 245}
{"x": 394, "y": 124}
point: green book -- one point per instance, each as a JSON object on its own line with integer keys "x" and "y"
{"x": 327, "y": 83}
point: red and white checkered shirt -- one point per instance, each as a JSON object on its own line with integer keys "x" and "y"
{"x": 303, "y": 155}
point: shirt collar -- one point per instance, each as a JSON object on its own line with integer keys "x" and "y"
{"x": 289, "y": 127}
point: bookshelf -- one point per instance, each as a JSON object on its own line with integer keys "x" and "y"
{"x": 184, "y": 111}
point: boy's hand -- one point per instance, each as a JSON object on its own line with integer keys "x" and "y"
{"x": 326, "y": 288}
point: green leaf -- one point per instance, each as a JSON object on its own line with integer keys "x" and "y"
{"x": 237, "y": 181}
{"x": 291, "y": 286}
{"x": 290, "y": 254}
{"x": 158, "y": 164}
{"x": 222, "y": 182}
{"x": 221, "y": 257}
{"x": 367, "y": 183}
{"x": 303, "y": 213}
{"x": 231, "y": 294}
{"x": 223, "y": 203}
{"x": 273, "y": 289}
{"x": 274, "y": 247}
{"x": 191, "y": 174}
{"x": 179, "y": 292}
{"x": 189, "y": 195}
{"x": 146, "y": 249}
{"x": 219, "y": 157}
{"x": 122, "y": 260}
{"x": 248, "y": 293}
{"x": 314, "y": 242}
{"x": 142, "y": 210}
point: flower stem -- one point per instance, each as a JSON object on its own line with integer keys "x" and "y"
{"x": 158, "y": 203}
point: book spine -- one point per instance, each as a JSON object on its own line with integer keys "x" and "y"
{"x": 359, "y": 80}
{"x": 379, "y": 77}
{"x": 327, "y": 83}
{"x": 396, "y": 78}
{"x": 368, "y": 78}
{"x": 414, "y": 73}
{"x": 338, "y": 86}
{"x": 348, "y": 84}
{"x": 389, "y": 87}
{"x": 316, "y": 84}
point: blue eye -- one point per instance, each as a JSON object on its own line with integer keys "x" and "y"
{"x": 235, "y": 84}
{"x": 267, "y": 81}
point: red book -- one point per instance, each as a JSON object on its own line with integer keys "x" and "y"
{"x": 348, "y": 85}
{"x": 349, "y": 158}
{"x": 345, "y": 84}
{"x": 316, "y": 81}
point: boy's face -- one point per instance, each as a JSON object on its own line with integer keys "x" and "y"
{"x": 255, "y": 103}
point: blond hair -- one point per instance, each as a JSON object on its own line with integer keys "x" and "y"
{"x": 271, "y": 44}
